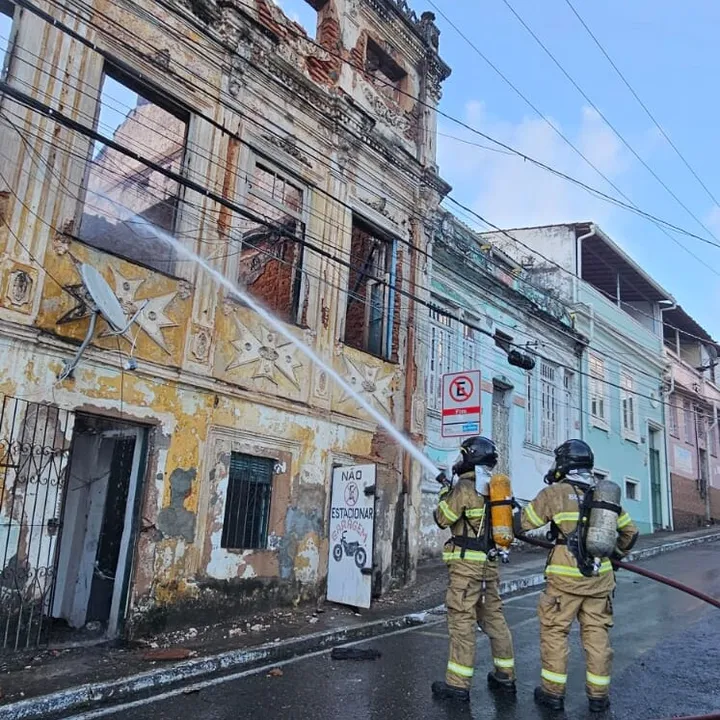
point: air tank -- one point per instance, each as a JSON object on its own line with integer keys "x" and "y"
{"x": 602, "y": 524}
{"x": 501, "y": 515}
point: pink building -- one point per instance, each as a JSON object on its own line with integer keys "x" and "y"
{"x": 692, "y": 413}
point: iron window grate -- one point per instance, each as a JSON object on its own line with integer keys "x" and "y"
{"x": 247, "y": 507}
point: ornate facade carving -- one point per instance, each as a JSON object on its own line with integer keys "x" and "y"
{"x": 19, "y": 288}
{"x": 201, "y": 343}
{"x": 270, "y": 353}
{"x": 289, "y": 146}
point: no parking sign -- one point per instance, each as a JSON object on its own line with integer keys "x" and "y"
{"x": 461, "y": 404}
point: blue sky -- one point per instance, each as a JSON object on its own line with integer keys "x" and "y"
{"x": 666, "y": 50}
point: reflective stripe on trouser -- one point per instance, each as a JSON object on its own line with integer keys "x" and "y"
{"x": 557, "y": 611}
{"x": 491, "y": 619}
{"x": 464, "y": 609}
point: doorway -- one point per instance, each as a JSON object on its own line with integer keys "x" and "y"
{"x": 98, "y": 524}
{"x": 501, "y": 425}
{"x": 655, "y": 478}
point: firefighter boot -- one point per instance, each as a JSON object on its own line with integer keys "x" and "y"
{"x": 548, "y": 700}
{"x": 443, "y": 691}
{"x": 598, "y": 703}
{"x": 501, "y": 682}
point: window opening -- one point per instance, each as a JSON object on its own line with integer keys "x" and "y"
{"x": 247, "y": 505}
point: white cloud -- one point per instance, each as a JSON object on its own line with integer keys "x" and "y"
{"x": 512, "y": 192}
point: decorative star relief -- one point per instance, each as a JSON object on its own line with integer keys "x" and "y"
{"x": 271, "y": 352}
{"x": 364, "y": 380}
{"x": 152, "y": 319}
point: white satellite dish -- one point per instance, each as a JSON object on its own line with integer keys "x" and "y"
{"x": 105, "y": 301}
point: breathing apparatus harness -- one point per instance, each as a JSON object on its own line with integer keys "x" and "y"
{"x": 576, "y": 540}
{"x": 481, "y": 541}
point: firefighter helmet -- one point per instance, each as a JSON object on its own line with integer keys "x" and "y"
{"x": 474, "y": 451}
{"x": 571, "y": 455}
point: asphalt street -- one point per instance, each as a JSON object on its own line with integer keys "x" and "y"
{"x": 667, "y": 664}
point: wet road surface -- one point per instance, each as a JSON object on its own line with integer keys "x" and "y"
{"x": 667, "y": 663}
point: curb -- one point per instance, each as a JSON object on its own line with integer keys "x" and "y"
{"x": 84, "y": 697}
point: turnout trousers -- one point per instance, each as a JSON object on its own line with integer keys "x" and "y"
{"x": 473, "y": 598}
{"x": 556, "y": 611}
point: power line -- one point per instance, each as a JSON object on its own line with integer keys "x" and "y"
{"x": 401, "y": 204}
{"x": 640, "y": 102}
{"x": 293, "y": 31}
{"x": 598, "y": 193}
{"x": 620, "y": 136}
{"x": 540, "y": 289}
{"x": 77, "y": 127}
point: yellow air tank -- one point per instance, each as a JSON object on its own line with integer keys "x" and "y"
{"x": 501, "y": 511}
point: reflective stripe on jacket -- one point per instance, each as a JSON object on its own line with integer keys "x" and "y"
{"x": 561, "y": 502}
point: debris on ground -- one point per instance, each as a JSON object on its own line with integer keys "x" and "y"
{"x": 275, "y": 672}
{"x": 169, "y": 654}
{"x": 355, "y": 654}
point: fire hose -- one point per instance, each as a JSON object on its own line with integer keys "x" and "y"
{"x": 617, "y": 564}
{"x": 620, "y": 565}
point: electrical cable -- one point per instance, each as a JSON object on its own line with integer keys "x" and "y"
{"x": 202, "y": 27}
{"x": 619, "y": 135}
{"x": 640, "y": 102}
{"x": 631, "y": 205}
{"x": 551, "y": 360}
{"x": 540, "y": 289}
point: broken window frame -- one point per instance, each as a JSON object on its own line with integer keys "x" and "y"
{"x": 157, "y": 97}
{"x": 598, "y": 404}
{"x": 549, "y": 405}
{"x": 257, "y": 538}
{"x": 628, "y": 406}
{"x": 250, "y": 190}
{"x": 10, "y": 10}
{"x": 441, "y": 358}
{"x": 388, "y": 77}
{"x": 379, "y": 279}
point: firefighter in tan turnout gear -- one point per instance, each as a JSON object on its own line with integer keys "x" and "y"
{"x": 587, "y": 525}
{"x": 473, "y": 594}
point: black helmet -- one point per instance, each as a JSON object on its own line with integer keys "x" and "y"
{"x": 474, "y": 451}
{"x": 571, "y": 455}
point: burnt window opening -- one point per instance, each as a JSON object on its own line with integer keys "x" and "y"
{"x": 271, "y": 257}
{"x": 503, "y": 341}
{"x": 7, "y": 13}
{"x": 371, "y": 309}
{"x": 247, "y": 505}
{"x": 388, "y": 77}
{"x": 130, "y": 208}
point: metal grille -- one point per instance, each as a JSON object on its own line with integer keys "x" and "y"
{"x": 247, "y": 508}
{"x": 34, "y": 452}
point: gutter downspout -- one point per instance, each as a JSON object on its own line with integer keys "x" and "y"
{"x": 665, "y": 410}
{"x": 667, "y": 452}
{"x": 576, "y": 297}
{"x": 711, "y": 428}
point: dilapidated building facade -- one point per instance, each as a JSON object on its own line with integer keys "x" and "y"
{"x": 182, "y": 462}
{"x": 693, "y": 403}
{"x": 485, "y": 305}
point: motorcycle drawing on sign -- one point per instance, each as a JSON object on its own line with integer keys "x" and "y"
{"x": 351, "y": 549}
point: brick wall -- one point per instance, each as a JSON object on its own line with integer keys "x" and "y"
{"x": 688, "y": 505}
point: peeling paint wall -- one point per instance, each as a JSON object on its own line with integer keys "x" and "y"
{"x": 483, "y": 290}
{"x": 208, "y": 377}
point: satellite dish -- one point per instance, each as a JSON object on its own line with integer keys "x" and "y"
{"x": 106, "y": 304}
{"x": 105, "y": 301}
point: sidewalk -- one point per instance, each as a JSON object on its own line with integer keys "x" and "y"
{"x": 57, "y": 678}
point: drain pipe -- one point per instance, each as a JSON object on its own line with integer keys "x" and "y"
{"x": 666, "y": 404}
{"x": 709, "y": 429}
{"x": 576, "y": 293}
